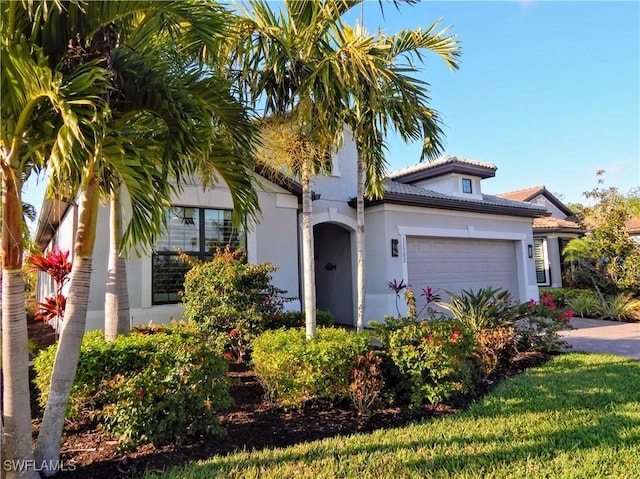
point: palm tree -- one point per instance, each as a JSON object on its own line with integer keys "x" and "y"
{"x": 171, "y": 115}
{"x": 286, "y": 60}
{"x": 45, "y": 116}
{"x": 383, "y": 95}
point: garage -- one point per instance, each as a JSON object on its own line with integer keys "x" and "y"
{"x": 453, "y": 264}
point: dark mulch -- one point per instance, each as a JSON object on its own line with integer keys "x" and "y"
{"x": 250, "y": 424}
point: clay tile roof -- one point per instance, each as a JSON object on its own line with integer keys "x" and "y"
{"x": 634, "y": 224}
{"x": 523, "y": 195}
{"x": 552, "y": 223}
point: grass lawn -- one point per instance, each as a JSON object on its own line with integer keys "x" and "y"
{"x": 578, "y": 416}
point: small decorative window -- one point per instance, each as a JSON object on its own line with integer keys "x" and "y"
{"x": 466, "y": 185}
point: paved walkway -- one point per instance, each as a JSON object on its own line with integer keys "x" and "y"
{"x": 599, "y": 336}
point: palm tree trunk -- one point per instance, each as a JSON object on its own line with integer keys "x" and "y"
{"x": 116, "y": 300}
{"x": 64, "y": 369}
{"x": 16, "y": 410}
{"x": 307, "y": 254}
{"x": 360, "y": 245}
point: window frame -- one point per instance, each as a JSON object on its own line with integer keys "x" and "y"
{"x": 465, "y": 182}
{"x": 540, "y": 247}
{"x": 202, "y": 254}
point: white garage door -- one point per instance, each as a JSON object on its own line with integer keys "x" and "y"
{"x": 454, "y": 264}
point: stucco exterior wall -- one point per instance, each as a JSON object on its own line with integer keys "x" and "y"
{"x": 273, "y": 239}
{"x": 387, "y": 222}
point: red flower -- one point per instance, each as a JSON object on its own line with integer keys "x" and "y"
{"x": 228, "y": 355}
{"x": 140, "y": 393}
{"x": 233, "y": 333}
{"x": 547, "y": 300}
{"x": 455, "y": 335}
{"x": 429, "y": 338}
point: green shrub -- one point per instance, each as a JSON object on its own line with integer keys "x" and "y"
{"x": 586, "y": 305}
{"x": 295, "y": 319}
{"x": 539, "y": 323}
{"x": 293, "y": 369}
{"x": 487, "y": 308}
{"x": 230, "y": 296}
{"x": 159, "y": 388}
{"x": 433, "y": 358}
{"x": 620, "y": 307}
{"x": 563, "y": 296}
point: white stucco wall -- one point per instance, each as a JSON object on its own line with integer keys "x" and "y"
{"x": 387, "y": 222}
{"x": 274, "y": 240}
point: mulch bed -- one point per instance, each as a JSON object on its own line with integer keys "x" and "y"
{"x": 250, "y": 424}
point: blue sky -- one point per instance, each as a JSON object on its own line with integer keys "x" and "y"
{"x": 549, "y": 92}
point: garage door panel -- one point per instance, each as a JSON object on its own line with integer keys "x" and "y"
{"x": 454, "y": 264}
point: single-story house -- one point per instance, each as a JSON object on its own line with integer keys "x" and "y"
{"x": 434, "y": 227}
{"x": 550, "y": 234}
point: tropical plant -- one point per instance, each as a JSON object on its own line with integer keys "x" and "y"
{"x": 538, "y": 325}
{"x": 47, "y": 116}
{"x": 620, "y": 307}
{"x": 585, "y": 305}
{"x": 57, "y": 265}
{"x": 168, "y": 113}
{"x": 608, "y": 253}
{"x": 377, "y": 73}
{"x": 486, "y": 308}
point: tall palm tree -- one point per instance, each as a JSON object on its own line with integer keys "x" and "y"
{"x": 171, "y": 115}
{"x": 45, "y": 116}
{"x": 285, "y": 58}
{"x": 383, "y": 96}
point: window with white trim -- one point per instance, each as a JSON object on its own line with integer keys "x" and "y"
{"x": 197, "y": 232}
{"x": 540, "y": 259}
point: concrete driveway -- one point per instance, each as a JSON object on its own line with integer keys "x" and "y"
{"x": 597, "y": 336}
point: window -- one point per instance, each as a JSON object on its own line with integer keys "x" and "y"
{"x": 197, "y": 232}
{"x": 539, "y": 257}
{"x": 466, "y": 185}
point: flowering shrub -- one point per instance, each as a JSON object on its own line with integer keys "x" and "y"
{"x": 154, "y": 387}
{"x": 293, "y": 369}
{"x": 296, "y": 319}
{"x": 433, "y": 359}
{"x": 230, "y": 296}
{"x": 537, "y": 330}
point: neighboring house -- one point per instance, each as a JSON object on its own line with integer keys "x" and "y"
{"x": 550, "y": 234}
{"x": 433, "y": 227}
{"x": 633, "y": 225}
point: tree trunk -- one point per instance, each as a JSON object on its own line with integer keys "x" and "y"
{"x": 307, "y": 254}
{"x": 16, "y": 404}
{"x": 360, "y": 245}
{"x": 66, "y": 361}
{"x": 116, "y": 300}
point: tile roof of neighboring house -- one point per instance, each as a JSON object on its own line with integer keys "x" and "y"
{"x": 411, "y": 195}
{"x": 524, "y": 195}
{"x": 634, "y": 225}
{"x": 528, "y": 194}
{"x": 442, "y": 165}
{"x": 551, "y": 223}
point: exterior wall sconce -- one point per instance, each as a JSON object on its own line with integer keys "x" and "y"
{"x": 394, "y": 247}
{"x": 530, "y": 250}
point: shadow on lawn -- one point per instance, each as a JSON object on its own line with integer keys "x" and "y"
{"x": 570, "y": 390}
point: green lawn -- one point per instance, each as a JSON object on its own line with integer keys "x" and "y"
{"x": 578, "y": 416}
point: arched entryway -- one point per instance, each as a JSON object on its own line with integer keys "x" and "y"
{"x": 334, "y": 290}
